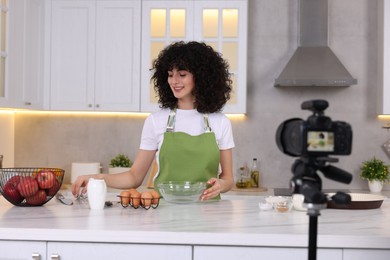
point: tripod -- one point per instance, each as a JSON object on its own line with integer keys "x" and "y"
{"x": 313, "y": 211}
{"x": 307, "y": 182}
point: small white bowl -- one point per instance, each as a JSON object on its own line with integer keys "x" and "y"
{"x": 265, "y": 206}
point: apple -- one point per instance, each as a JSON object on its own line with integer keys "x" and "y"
{"x": 45, "y": 179}
{"x": 11, "y": 192}
{"x": 37, "y": 199}
{"x": 53, "y": 190}
{"x": 27, "y": 186}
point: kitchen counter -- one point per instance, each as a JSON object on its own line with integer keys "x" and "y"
{"x": 235, "y": 220}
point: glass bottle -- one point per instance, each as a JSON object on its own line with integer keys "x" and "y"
{"x": 244, "y": 180}
{"x": 255, "y": 174}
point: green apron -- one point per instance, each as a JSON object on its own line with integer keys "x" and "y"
{"x": 184, "y": 157}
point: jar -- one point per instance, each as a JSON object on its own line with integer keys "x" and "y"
{"x": 243, "y": 178}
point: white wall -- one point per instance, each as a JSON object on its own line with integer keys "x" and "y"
{"x": 272, "y": 41}
{"x": 7, "y": 138}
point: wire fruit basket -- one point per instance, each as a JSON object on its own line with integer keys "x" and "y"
{"x": 29, "y": 187}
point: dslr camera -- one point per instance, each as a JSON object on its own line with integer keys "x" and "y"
{"x": 317, "y": 136}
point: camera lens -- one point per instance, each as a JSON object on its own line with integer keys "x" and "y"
{"x": 289, "y": 137}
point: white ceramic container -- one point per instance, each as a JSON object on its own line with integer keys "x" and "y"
{"x": 96, "y": 191}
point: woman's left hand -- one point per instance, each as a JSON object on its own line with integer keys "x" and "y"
{"x": 213, "y": 191}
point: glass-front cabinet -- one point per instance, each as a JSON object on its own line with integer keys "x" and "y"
{"x": 221, "y": 24}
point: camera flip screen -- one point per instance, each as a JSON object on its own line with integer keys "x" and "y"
{"x": 320, "y": 141}
{"x": 315, "y": 137}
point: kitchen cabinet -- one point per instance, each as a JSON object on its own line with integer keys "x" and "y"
{"x": 104, "y": 251}
{"x": 23, "y": 250}
{"x": 383, "y": 57}
{"x": 96, "y": 251}
{"x": 94, "y": 55}
{"x": 252, "y": 253}
{"x": 3, "y": 52}
{"x": 221, "y": 24}
{"x": 83, "y": 250}
{"x": 25, "y": 57}
{"x": 364, "y": 254}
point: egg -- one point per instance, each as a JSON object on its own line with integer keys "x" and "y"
{"x": 135, "y": 199}
{"x": 132, "y": 190}
{"x": 146, "y": 199}
{"x": 156, "y": 197}
{"x": 125, "y": 197}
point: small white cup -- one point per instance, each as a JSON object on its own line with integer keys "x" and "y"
{"x": 298, "y": 202}
{"x": 96, "y": 191}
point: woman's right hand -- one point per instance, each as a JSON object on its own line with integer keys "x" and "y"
{"x": 81, "y": 183}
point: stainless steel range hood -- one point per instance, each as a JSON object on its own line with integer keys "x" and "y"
{"x": 314, "y": 63}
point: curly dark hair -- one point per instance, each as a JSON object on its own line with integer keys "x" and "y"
{"x": 211, "y": 75}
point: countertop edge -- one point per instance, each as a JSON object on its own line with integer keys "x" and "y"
{"x": 193, "y": 238}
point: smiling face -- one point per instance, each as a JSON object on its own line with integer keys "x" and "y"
{"x": 182, "y": 84}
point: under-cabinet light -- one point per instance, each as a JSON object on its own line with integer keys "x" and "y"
{"x": 6, "y": 111}
{"x": 94, "y": 113}
{"x": 82, "y": 113}
{"x": 384, "y": 117}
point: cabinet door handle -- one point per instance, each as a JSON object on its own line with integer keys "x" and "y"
{"x": 97, "y": 105}
{"x": 36, "y": 256}
{"x": 27, "y": 103}
{"x": 89, "y": 105}
{"x": 55, "y": 257}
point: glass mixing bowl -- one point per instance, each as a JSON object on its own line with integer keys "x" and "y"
{"x": 181, "y": 192}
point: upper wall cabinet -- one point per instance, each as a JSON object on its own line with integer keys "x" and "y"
{"x": 221, "y": 24}
{"x": 4, "y": 101}
{"x": 384, "y": 57}
{"x": 94, "y": 55}
{"x": 25, "y": 55}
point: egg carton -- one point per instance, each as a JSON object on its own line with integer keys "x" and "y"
{"x": 136, "y": 202}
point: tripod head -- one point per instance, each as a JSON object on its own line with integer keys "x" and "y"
{"x": 307, "y": 182}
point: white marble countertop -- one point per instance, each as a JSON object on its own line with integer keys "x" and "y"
{"x": 235, "y": 220}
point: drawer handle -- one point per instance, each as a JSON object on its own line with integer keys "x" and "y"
{"x": 55, "y": 257}
{"x": 36, "y": 256}
{"x": 27, "y": 103}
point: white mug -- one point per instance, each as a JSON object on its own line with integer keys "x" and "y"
{"x": 298, "y": 200}
{"x": 96, "y": 191}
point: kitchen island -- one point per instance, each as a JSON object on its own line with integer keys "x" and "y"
{"x": 233, "y": 228}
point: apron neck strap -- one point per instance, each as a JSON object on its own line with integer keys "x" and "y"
{"x": 171, "y": 121}
{"x": 207, "y": 128}
{"x": 172, "y": 117}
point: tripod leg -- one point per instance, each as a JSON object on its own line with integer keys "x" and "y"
{"x": 313, "y": 237}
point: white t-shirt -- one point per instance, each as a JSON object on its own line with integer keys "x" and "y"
{"x": 187, "y": 121}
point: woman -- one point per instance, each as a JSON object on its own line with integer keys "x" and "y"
{"x": 189, "y": 137}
